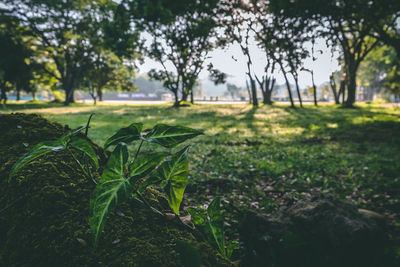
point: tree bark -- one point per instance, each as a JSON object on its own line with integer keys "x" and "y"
{"x": 68, "y": 96}
{"x": 18, "y": 94}
{"x": 335, "y": 93}
{"x": 269, "y": 90}
{"x": 288, "y": 86}
{"x": 314, "y": 89}
{"x": 3, "y": 95}
{"x": 254, "y": 91}
{"x": 296, "y": 81}
{"x": 248, "y": 91}
{"x": 176, "y": 102}
{"x": 351, "y": 90}
{"x": 100, "y": 94}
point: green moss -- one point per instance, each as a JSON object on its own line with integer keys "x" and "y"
{"x": 45, "y": 223}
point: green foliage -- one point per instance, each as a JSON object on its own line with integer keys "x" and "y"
{"x": 170, "y": 136}
{"x": 68, "y": 139}
{"x": 186, "y": 32}
{"x": 37, "y": 151}
{"x": 174, "y": 173}
{"x": 211, "y": 223}
{"x": 144, "y": 164}
{"x": 112, "y": 189}
{"x": 127, "y": 134}
{"x": 119, "y": 179}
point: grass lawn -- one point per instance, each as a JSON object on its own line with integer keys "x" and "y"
{"x": 261, "y": 158}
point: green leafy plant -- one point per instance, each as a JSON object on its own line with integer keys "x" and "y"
{"x": 121, "y": 176}
{"x": 124, "y": 178}
{"x": 211, "y": 223}
{"x": 69, "y": 140}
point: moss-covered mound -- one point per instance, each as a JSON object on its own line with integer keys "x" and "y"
{"x": 44, "y": 212}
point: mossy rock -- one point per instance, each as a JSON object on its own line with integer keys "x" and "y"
{"x": 44, "y": 211}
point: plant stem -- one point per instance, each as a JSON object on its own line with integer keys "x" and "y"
{"x": 137, "y": 152}
{"x": 87, "y": 124}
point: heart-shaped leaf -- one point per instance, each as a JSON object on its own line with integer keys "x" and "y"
{"x": 86, "y": 147}
{"x": 106, "y": 197}
{"x": 175, "y": 172}
{"x": 115, "y": 165}
{"x": 37, "y": 151}
{"x": 44, "y": 148}
{"x": 216, "y": 223}
{"x": 211, "y": 223}
{"x": 111, "y": 190}
{"x": 170, "y": 136}
{"x": 145, "y": 164}
{"x": 126, "y": 135}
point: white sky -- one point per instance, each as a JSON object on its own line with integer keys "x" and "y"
{"x": 222, "y": 60}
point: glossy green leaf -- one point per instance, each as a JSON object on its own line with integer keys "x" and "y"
{"x": 231, "y": 246}
{"x": 106, "y": 197}
{"x": 199, "y": 219}
{"x": 175, "y": 172}
{"x": 86, "y": 147}
{"x": 170, "y": 136}
{"x": 111, "y": 190}
{"x": 145, "y": 164}
{"x": 216, "y": 223}
{"x": 115, "y": 165}
{"x": 37, "y": 151}
{"x": 188, "y": 254}
{"x": 126, "y": 135}
{"x": 211, "y": 223}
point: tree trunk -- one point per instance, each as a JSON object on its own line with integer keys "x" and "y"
{"x": 18, "y": 94}
{"x": 288, "y": 86}
{"x": 343, "y": 91}
{"x": 184, "y": 95}
{"x": 191, "y": 96}
{"x": 254, "y": 91}
{"x": 335, "y": 93}
{"x": 267, "y": 97}
{"x": 100, "y": 94}
{"x": 68, "y": 96}
{"x": 314, "y": 88}
{"x": 93, "y": 95}
{"x": 296, "y": 81}
{"x": 248, "y": 91}
{"x": 267, "y": 93}
{"x": 3, "y": 94}
{"x": 176, "y": 103}
{"x": 351, "y": 89}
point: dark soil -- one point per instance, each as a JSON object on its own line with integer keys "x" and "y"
{"x": 44, "y": 211}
